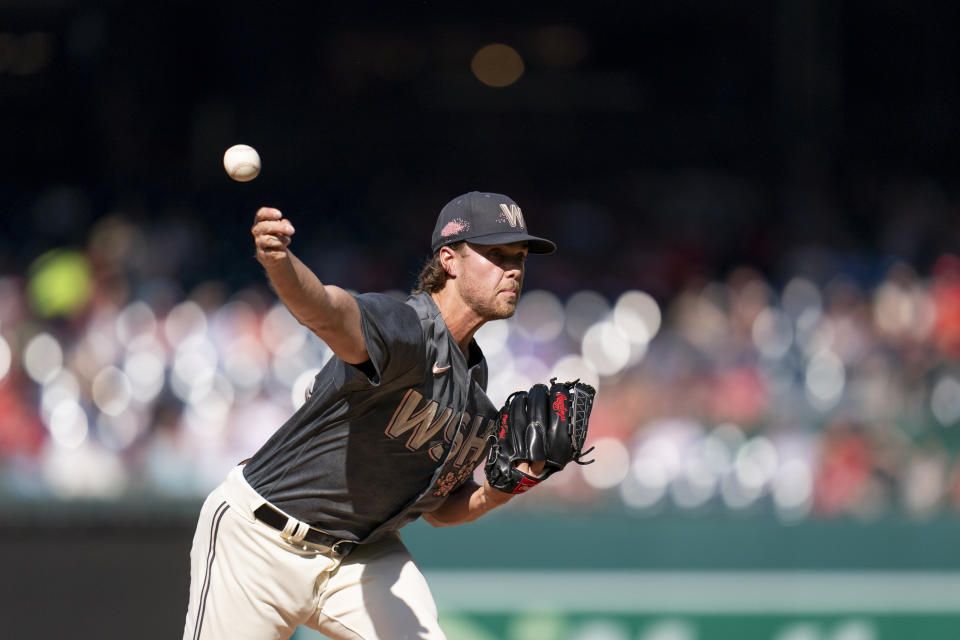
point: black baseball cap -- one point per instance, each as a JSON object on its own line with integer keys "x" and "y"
{"x": 485, "y": 218}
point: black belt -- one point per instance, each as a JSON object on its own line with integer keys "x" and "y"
{"x": 268, "y": 515}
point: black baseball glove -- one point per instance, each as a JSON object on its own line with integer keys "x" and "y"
{"x": 546, "y": 425}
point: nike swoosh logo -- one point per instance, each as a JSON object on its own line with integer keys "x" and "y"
{"x": 437, "y": 369}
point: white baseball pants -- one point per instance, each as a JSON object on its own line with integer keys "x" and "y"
{"x": 248, "y": 581}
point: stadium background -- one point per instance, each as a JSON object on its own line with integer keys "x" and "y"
{"x": 756, "y": 208}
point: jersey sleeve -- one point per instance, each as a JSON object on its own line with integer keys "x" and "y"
{"x": 392, "y": 335}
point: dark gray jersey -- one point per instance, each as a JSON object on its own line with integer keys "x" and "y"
{"x": 375, "y": 446}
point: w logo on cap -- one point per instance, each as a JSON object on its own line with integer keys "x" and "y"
{"x": 484, "y": 218}
{"x": 513, "y": 215}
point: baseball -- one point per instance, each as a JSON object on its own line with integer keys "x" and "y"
{"x": 242, "y": 162}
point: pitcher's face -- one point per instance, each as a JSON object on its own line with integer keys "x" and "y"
{"x": 491, "y": 278}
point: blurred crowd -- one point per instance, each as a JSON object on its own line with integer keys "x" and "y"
{"x": 809, "y": 394}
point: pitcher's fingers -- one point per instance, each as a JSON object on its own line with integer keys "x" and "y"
{"x": 267, "y": 213}
{"x": 272, "y": 242}
{"x": 273, "y": 227}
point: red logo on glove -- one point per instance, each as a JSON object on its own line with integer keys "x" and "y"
{"x": 525, "y": 485}
{"x": 503, "y": 428}
{"x": 560, "y": 406}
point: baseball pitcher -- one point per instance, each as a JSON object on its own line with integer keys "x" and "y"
{"x": 305, "y": 531}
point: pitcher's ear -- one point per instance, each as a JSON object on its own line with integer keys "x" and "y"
{"x": 448, "y": 260}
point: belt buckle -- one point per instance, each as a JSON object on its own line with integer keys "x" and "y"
{"x": 336, "y": 547}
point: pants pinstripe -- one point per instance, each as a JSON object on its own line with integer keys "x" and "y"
{"x": 247, "y": 581}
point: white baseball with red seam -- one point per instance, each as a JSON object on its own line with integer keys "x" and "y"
{"x": 242, "y": 162}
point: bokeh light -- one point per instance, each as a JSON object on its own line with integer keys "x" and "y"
{"x": 573, "y": 367}
{"x": 62, "y": 387}
{"x": 212, "y": 402}
{"x": 492, "y": 337}
{"x": 755, "y": 463}
{"x": 736, "y": 495}
{"x": 645, "y": 486}
{"x": 583, "y": 310}
{"x": 694, "y": 485}
{"x": 68, "y": 424}
{"x": 42, "y": 357}
{"x": 280, "y": 331}
{"x": 772, "y": 333}
{"x": 246, "y": 364}
{"x": 145, "y": 367}
{"x": 945, "y": 401}
{"x": 606, "y": 347}
{"x": 616, "y": 464}
{"x": 61, "y": 283}
{"x": 599, "y": 630}
{"x": 497, "y": 65}
{"x": 185, "y": 320}
{"x": 85, "y": 471}
{"x": 194, "y": 368}
{"x": 799, "y": 296}
{"x": 793, "y": 490}
{"x": 112, "y": 391}
{"x": 118, "y": 432}
{"x": 539, "y": 316}
{"x": 6, "y": 358}
{"x": 825, "y": 379}
{"x": 638, "y": 316}
{"x": 137, "y": 319}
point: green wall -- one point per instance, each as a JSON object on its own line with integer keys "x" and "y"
{"x": 719, "y": 542}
